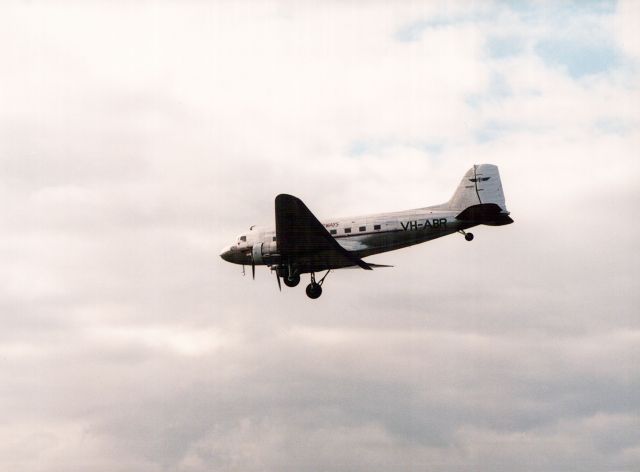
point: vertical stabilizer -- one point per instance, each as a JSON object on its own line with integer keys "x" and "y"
{"x": 481, "y": 184}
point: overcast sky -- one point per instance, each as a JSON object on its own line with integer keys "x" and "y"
{"x": 138, "y": 138}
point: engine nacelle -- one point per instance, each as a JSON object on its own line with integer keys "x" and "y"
{"x": 265, "y": 253}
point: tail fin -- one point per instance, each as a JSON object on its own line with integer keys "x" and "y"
{"x": 480, "y": 197}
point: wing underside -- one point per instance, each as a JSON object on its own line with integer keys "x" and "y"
{"x": 304, "y": 241}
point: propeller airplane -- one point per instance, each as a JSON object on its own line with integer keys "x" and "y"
{"x": 301, "y": 244}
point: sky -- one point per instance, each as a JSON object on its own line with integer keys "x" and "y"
{"x": 138, "y": 138}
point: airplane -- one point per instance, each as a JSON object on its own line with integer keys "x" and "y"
{"x": 301, "y": 244}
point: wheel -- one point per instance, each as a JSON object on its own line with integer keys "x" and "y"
{"x": 314, "y": 290}
{"x": 468, "y": 236}
{"x": 291, "y": 282}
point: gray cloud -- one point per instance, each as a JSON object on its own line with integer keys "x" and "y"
{"x": 137, "y": 139}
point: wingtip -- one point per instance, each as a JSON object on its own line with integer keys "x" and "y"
{"x": 364, "y": 265}
{"x": 285, "y": 196}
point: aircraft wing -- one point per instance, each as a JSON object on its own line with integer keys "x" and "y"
{"x": 351, "y": 245}
{"x": 373, "y": 266}
{"x": 303, "y": 240}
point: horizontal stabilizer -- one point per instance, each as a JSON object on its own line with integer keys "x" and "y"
{"x": 485, "y": 213}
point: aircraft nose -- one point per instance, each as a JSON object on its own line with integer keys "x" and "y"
{"x": 226, "y": 253}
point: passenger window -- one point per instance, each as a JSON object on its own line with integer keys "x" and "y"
{"x": 376, "y": 227}
{"x": 333, "y": 231}
{"x": 274, "y": 238}
{"x": 363, "y": 228}
{"x": 347, "y": 230}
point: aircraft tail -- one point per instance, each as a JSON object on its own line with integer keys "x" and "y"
{"x": 480, "y": 198}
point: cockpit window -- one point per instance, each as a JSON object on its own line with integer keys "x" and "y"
{"x": 243, "y": 238}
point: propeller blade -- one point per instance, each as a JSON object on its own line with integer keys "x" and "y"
{"x": 278, "y": 278}
{"x": 253, "y": 265}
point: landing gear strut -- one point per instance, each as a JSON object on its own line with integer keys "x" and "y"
{"x": 467, "y": 236}
{"x": 314, "y": 289}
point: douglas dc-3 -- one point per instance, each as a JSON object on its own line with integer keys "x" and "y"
{"x": 301, "y": 244}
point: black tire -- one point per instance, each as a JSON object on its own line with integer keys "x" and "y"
{"x": 468, "y": 236}
{"x": 291, "y": 282}
{"x": 314, "y": 291}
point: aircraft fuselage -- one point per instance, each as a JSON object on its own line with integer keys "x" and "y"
{"x": 361, "y": 235}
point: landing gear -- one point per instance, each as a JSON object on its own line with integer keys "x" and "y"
{"x": 291, "y": 281}
{"x": 467, "y": 236}
{"x": 314, "y": 289}
{"x": 289, "y": 274}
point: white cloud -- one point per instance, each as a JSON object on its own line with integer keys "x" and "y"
{"x": 625, "y": 27}
{"x": 138, "y": 138}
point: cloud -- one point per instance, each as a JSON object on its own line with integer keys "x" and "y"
{"x": 579, "y": 59}
{"x": 137, "y": 139}
{"x": 504, "y": 47}
{"x": 627, "y": 36}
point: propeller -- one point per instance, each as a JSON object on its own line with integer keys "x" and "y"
{"x": 253, "y": 264}
{"x": 275, "y": 269}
